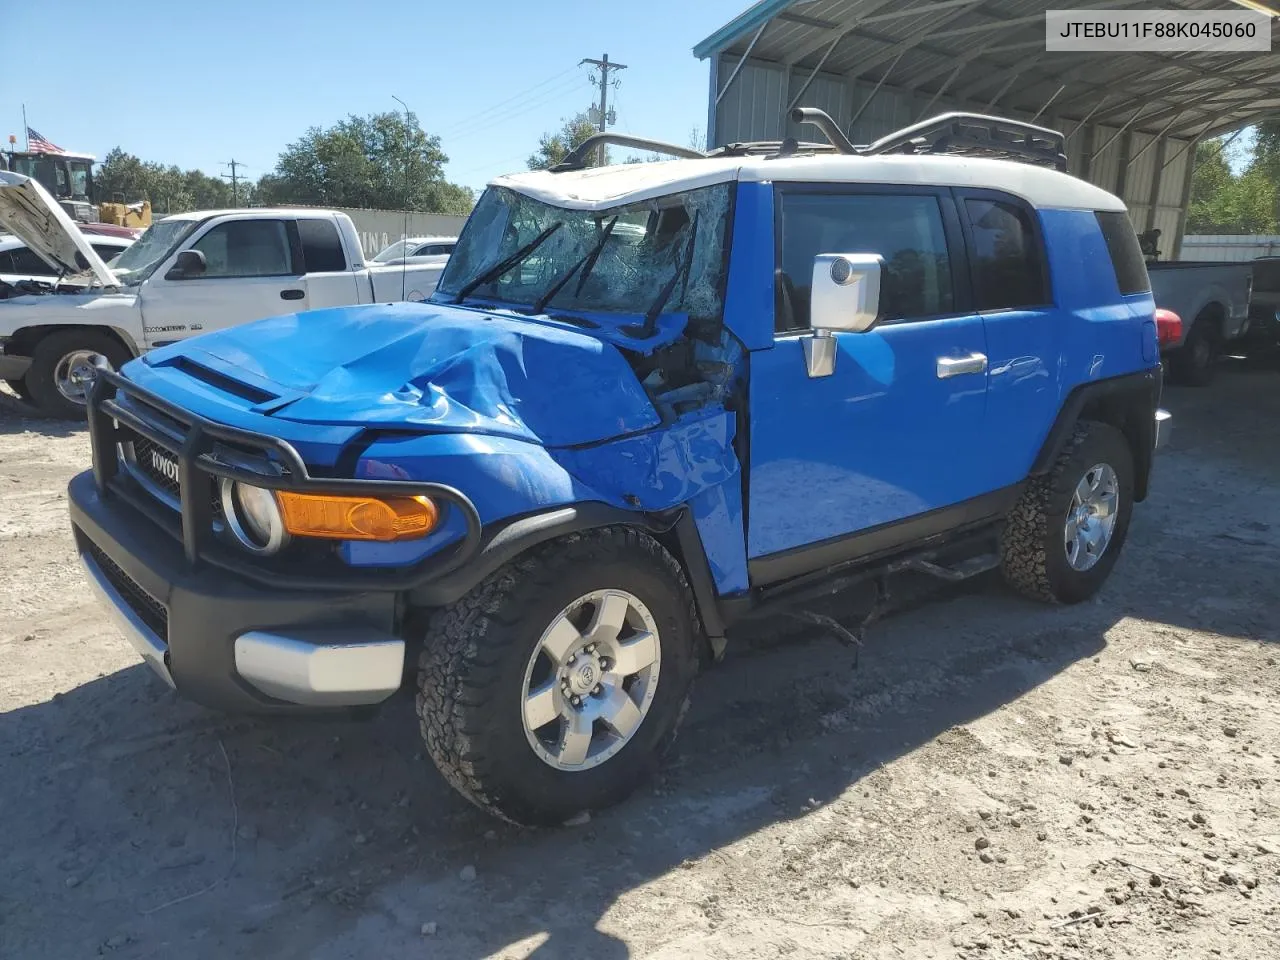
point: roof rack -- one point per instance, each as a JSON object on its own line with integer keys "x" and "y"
{"x": 577, "y": 158}
{"x": 963, "y": 134}
{"x": 786, "y": 147}
{"x": 956, "y": 134}
{"x": 975, "y": 134}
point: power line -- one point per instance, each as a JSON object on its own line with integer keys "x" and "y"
{"x": 470, "y": 119}
{"x": 485, "y": 124}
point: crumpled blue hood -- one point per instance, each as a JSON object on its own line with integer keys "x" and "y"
{"x": 424, "y": 368}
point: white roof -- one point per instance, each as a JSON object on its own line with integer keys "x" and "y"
{"x": 599, "y": 188}
{"x": 251, "y": 213}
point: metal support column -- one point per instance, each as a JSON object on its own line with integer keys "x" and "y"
{"x": 1175, "y": 252}
{"x": 1157, "y": 177}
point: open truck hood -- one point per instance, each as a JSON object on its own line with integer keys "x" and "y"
{"x": 31, "y": 214}
{"x": 418, "y": 367}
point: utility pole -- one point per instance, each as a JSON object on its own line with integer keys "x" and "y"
{"x": 234, "y": 177}
{"x": 602, "y": 81}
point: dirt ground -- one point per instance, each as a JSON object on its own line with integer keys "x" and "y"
{"x": 990, "y": 777}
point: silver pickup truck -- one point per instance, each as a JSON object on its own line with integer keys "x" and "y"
{"x": 1213, "y": 301}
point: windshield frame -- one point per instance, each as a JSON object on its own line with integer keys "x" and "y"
{"x": 713, "y": 243}
{"x": 135, "y": 277}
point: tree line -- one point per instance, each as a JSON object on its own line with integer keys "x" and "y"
{"x": 384, "y": 161}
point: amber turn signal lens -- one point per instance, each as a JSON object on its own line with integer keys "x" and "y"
{"x": 357, "y": 518}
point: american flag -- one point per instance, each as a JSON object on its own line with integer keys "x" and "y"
{"x": 38, "y": 144}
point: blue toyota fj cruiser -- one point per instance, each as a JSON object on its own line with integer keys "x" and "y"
{"x": 646, "y": 401}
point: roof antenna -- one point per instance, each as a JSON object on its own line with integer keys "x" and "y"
{"x": 404, "y": 258}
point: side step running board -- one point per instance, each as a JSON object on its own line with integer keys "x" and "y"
{"x": 961, "y": 571}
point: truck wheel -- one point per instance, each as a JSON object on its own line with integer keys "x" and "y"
{"x": 556, "y": 685}
{"x": 1063, "y": 537}
{"x": 1196, "y": 360}
{"x": 61, "y": 370}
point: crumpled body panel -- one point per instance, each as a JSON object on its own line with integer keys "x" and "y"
{"x": 434, "y": 368}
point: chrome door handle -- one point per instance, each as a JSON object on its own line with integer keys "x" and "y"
{"x": 958, "y": 366}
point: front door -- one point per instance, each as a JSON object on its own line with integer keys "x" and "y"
{"x": 251, "y": 272}
{"x": 893, "y": 433}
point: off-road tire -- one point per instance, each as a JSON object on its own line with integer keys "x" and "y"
{"x": 1032, "y": 553}
{"x": 472, "y": 667}
{"x": 1196, "y": 361}
{"x": 39, "y": 381}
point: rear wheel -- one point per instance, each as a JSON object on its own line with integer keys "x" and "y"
{"x": 557, "y": 684}
{"x": 1063, "y": 537}
{"x": 62, "y": 370}
{"x": 1196, "y": 360}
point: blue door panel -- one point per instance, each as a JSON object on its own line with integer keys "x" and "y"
{"x": 1023, "y": 385}
{"x": 880, "y": 440}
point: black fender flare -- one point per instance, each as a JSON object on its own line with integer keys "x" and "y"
{"x": 503, "y": 542}
{"x": 1129, "y": 402}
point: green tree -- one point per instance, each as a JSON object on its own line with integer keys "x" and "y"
{"x": 384, "y": 161}
{"x": 554, "y": 147}
{"x": 1223, "y": 201}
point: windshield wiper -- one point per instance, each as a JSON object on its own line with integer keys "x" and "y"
{"x": 585, "y": 263}
{"x": 502, "y": 266}
{"x": 645, "y": 330}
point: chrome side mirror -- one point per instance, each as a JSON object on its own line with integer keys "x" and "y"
{"x": 844, "y": 298}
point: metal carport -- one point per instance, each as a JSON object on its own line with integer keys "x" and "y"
{"x": 1131, "y": 119}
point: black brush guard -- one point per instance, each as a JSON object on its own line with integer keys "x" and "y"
{"x": 200, "y": 469}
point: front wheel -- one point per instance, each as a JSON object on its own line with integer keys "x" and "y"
{"x": 557, "y": 684}
{"x": 1063, "y": 537}
{"x": 62, "y": 370}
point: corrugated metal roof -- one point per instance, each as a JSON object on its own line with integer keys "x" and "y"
{"x": 981, "y": 50}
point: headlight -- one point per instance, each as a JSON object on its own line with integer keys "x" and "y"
{"x": 253, "y": 516}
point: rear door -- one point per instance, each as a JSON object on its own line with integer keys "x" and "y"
{"x": 253, "y": 270}
{"x": 1009, "y": 274}
{"x": 876, "y": 453}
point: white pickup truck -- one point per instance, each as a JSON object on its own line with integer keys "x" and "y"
{"x": 188, "y": 273}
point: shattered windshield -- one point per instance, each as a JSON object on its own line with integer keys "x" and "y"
{"x": 147, "y": 252}
{"x": 619, "y": 260}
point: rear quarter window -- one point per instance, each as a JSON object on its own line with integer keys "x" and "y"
{"x": 1126, "y": 254}
{"x": 321, "y": 246}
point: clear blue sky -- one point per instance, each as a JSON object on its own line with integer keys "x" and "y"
{"x": 242, "y": 78}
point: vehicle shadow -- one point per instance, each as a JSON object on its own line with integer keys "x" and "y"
{"x": 16, "y": 416}
{"x": 121, "y": 800}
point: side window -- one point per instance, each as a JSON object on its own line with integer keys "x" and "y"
{"x": 105, "y": 252}
{"x": 27, "y": 264}
{"x": 1008, "y": 266}
{"x": 321, "y": 246}
{"x": 246, "y": 248}
{"x": 905, "y": 230}
{"x": 1126, "y": 252}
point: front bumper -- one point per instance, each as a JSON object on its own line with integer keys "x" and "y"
{"x": 222, "y": 640}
